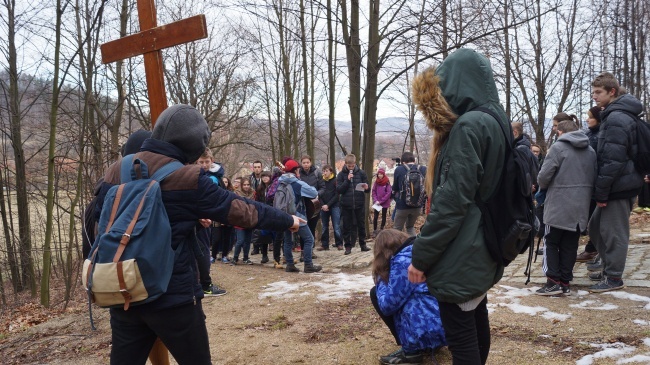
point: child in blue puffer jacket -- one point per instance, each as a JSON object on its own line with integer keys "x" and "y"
{"x": 409, "y": 311}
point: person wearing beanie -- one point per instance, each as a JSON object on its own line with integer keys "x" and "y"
{"x": 188, "y": 195}
{"x": 381, "y": 193}
{"x": 135, "y": 141}
{"x": 301, "y": 190}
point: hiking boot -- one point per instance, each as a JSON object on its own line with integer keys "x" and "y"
{"x": 607, "y": 284}
{"x": 552, "y": 287}
{"x": 247, "y": 262}
{"x": 596, "y": 276}
{"x": 585, "y": 256}
{"x": 365, "y": 248}
{"x": 277, "y": 265}
{"x": 399, "y": 357}
{"x": 596, "y": 266}
{"x": 291, "y": 268}
{"x": 348, "y": 251}
{"x": 265, "y": 259}
{"x": 566, "y": 289}
{"x": 312, "y": 268}
{"x": 322, "y": 248}
{"x": 213, "y": 291}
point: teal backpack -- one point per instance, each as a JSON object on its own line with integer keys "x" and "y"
{"x": 131, "y": 261}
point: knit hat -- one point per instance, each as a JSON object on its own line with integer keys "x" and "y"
{"x": 135, "y": 141}
{"x": 595, "y": 112}
{"x": 184, "y": 127}
{"x": 381, "y": 171}
{"x": 290, "y": 166}
{"x": 285, "y": 159}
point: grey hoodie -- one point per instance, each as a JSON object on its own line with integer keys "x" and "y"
{"x": 568, "y": 174}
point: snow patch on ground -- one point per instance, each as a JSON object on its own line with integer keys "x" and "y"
{"x": 641, "y": 322}
{"x": 630, "y": 296}
{"x": 608, "y": 350}
{"x": 325, "y": 286}
{"x": 594, "y": 304}
{"x": 509, "y": 297}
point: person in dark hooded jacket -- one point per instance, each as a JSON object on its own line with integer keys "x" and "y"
{"x": 181, "y": 133}
{"x": 352, "y": 185}
{"x": 617, "y": 183}
{"x": 468, "y": 153}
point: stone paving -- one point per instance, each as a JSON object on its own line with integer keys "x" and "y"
{"x": 637, "y": 270}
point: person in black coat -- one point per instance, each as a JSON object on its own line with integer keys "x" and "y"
{"x": 352, "y": 185}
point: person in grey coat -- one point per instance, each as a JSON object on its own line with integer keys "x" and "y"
{"x": 568, "y": 177}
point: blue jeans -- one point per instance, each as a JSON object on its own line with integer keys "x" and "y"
{"x": 335, "y": 214}
{"x": 244, "y": 237}
{"x": 306, "y": 237}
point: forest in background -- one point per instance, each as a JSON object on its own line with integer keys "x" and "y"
{"x": 270, "y": 79}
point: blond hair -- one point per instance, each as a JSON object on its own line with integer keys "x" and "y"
{"x": 207, "y": 154}
{"x": 350, "y": 159}
{"x": 428, "y": 98}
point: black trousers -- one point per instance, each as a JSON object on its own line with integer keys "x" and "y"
{"x": 278, "y": 244}
{"x": 590, "y": 247}
{"x": 467, "y": 333}
{"x": 388, "y": 320}
{"x": 353, "y": 223}
{"x": 376, "y": 216}
{"x": 182, "y": 329}
{"x": 560, "y": 253}
{"x": 644, "y": 196}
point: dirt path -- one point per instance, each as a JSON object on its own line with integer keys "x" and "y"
{"x": 272, "y": 317}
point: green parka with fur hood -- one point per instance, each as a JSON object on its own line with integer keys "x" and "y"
{"x": 450, "y": 248}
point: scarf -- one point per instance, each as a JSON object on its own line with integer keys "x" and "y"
{"x": 329, "y": 177}
{"x": 383, "y": 181}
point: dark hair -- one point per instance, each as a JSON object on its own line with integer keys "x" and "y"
{"x": 260, "y": 192}
{"x": 229, "y": 187}
{"x": 327, "y": 167}
{"x": 305, "y": 157}
{"x": 257, "y": 161}
{"x": 594, "y": 112}
{"x": 408, "y": 157}
{"x": 387, "y": 243}
{"x": 607, "y": 81}
{"x": 564, "y": 116}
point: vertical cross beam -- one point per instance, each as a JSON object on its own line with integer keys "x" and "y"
{"x": 153, "y": 63}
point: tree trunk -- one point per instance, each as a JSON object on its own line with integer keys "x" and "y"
{"x": 353, "y": 57}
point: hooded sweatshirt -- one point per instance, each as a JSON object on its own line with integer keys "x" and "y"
{"x": 568, "y": 175}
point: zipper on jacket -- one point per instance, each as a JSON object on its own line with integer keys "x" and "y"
{"x": 445, "y": 172}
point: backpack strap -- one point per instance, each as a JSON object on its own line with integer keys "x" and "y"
{"x": 166, "y": 170}
{"x": 125, "y": 168}
{"x": 496, "y": 117}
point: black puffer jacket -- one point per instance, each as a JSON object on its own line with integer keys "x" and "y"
{"x": 351, "y": 198}
{"x": 617, "y": 145}
{"x": 523, "y": 143}
{"x": 313, "y": 177}
{"x": 328, "y": 195}
{"x": 189, "y": 194}
{"x": 592, "y": 134}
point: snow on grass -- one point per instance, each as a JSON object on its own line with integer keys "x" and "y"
{"x": 630, "y": 296}
{"x": 637, "y": 359}
{"x": 509, "y": 297}
{"x": 608, "y": 350}
{"x": 594, "y": 304}
{"x": 641, "y": 322}
{"x": 646, "y": 341}
{"x": 326, "y": 287}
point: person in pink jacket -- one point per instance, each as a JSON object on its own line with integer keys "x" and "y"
{"x": 381, "y": 192}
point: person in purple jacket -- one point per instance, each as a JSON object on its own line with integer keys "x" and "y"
{"x": 381, "y": 193}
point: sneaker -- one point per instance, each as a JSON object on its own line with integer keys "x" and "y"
{"x": 265, "y": 259}
{"x": 585, "y": 256}
{"x": 365, "y": 248}
{"x": 322, "y": 248}
{"x": 247, "y": 262}
{"x": 596, "y": 266}
{"x": 646, "y": 209}
{"x": 607, "y": 284}
{"x": 566, "y": 289}
{"x": 218, "y": 258}
{"x": 552, "y": 287}
{"x": 399, "y": 357}
{"x": 596, "y": 276}
{"x": 213, "y": 291}
{"x": 225, "y": 260}
{"x": 540, "y": 251}
{"x": 212, "y": 259}
{"x": 594, "y": 260}
{"x": 291, "y": 268}
{"x": 637, "y": 210}
{"x": 313, "y": 256}
{"x": 234, "y": 261}
{"x": 347, "y": 251}
{"x": 256, "y": 251}
{"x": 312, "y": 268}
{"x": 278, "y": 265}
{"x": 339, "y": 247}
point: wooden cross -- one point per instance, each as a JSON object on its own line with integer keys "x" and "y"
{"x": 149, "y": 42}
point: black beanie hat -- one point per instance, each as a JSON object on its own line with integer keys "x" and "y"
{"x": 184, "y": 127}
{"x": 135, "y": 141}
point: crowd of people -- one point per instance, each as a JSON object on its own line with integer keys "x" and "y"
{"x": 430, "y": 289}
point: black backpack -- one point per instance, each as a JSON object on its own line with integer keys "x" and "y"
{"x": 642, "y": 160}
{"x": 509, "y": 217}
{"x": 413, "y": 190}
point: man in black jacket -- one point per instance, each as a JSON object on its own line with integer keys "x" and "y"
{"x": 617, "y": 181}
{"x": 352, "y": 185}
{"x": 181, "y": 133}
